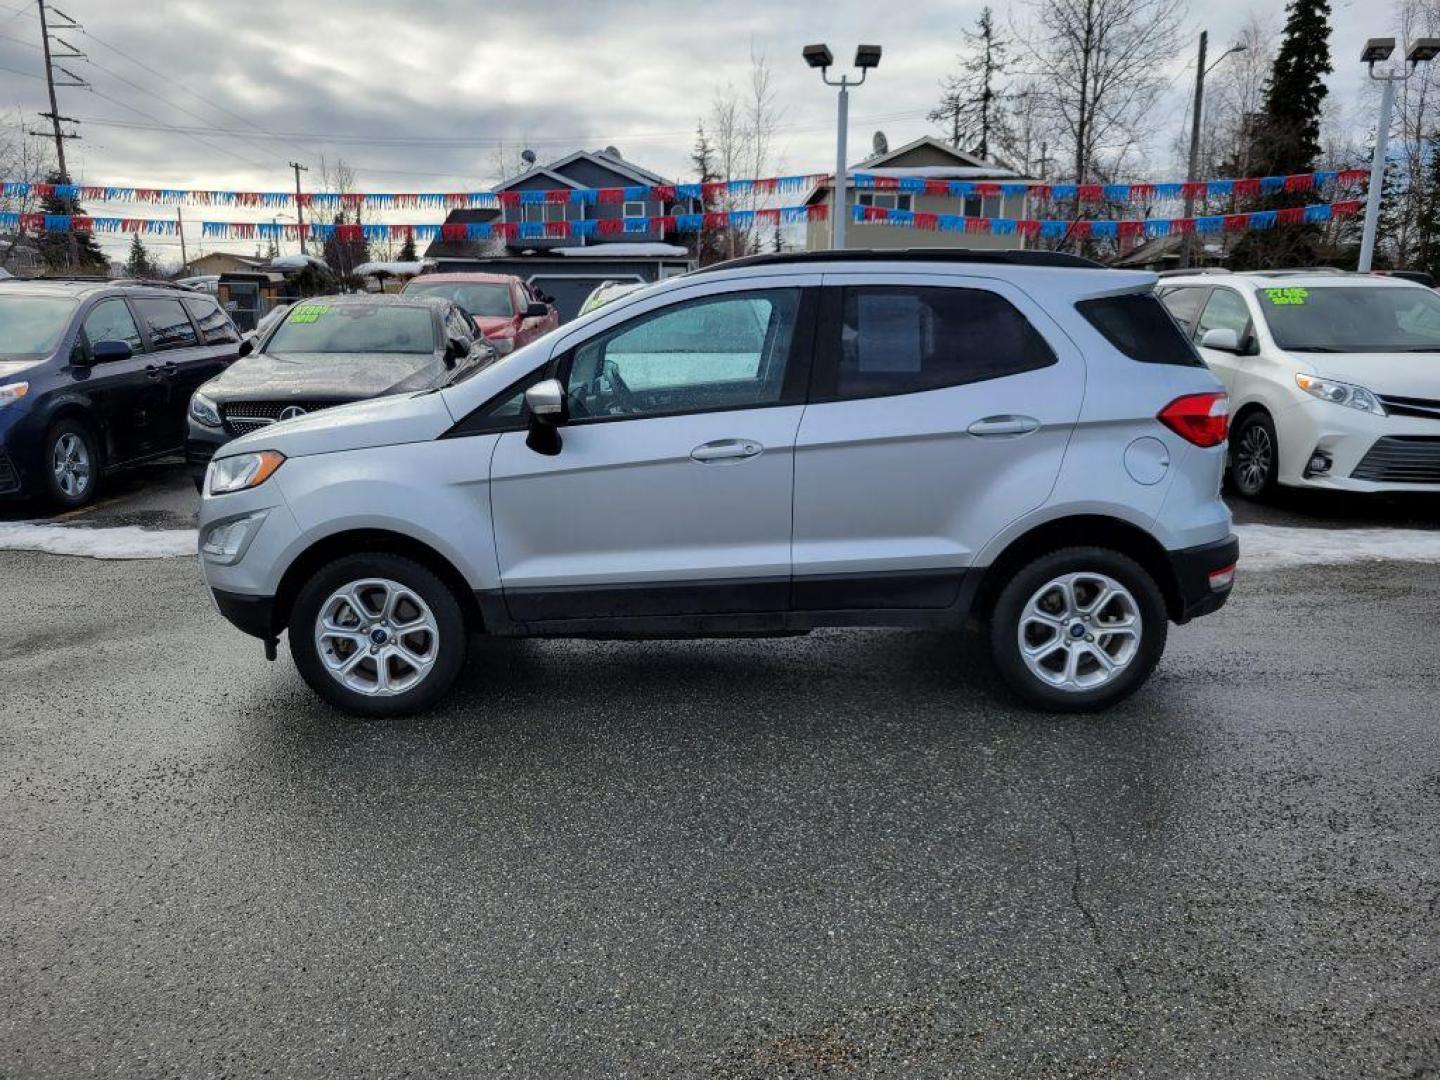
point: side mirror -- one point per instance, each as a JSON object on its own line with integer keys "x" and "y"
{"x": 537, "y": 311}
{"x": 247, "y": 345}
{"x": 456, "y": 349}
{"x": 545, "y": 402}
{"x": 105, "y": 352}
{"x": 1222, "y": 338}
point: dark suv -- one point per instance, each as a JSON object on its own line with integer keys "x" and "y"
{"x": 95, "y": 375}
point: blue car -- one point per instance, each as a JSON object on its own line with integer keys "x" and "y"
{"x": 97, "y": 375}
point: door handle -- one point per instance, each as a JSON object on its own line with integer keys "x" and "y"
{"x": 154, "y": 371}
{"x": 1004, "y": 425}
{"x": 170, "y": 368}
{"x": 726, "y": 450}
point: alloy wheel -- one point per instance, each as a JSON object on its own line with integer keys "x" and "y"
{"x": 1080, "y": 631}
{"x": 70, "y": 461}
{"x": 377, "y": 637}
{"x": 1253, "y": 458}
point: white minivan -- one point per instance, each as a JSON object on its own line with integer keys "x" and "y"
{"x": 1334, "y": 378}
{"x": 782, "y": 442}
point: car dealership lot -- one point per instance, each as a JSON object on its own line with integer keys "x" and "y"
{"x": 843, "y": 852}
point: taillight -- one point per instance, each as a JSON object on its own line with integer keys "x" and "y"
{"x": 1203, "y": 419}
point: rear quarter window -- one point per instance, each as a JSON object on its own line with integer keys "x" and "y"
{"x": 1140, "y": 327}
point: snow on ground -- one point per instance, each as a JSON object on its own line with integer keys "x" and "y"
{"x": 116, "y": 542}
{"x": 1262, "y": 547}
{"x": 1272, "y": 547}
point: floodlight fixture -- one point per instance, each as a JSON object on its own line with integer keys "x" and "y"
{"x": 1377, "y": 50}
{"x": 818, "y": 56}
{"x": 867, "y": 56}
{"x": 1422, "y": 50}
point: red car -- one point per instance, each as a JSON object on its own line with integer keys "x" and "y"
{"x": 503, "y": 307}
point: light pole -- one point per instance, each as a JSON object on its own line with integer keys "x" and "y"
{"x": 819, "y": 56}
{"x": 1378, "y": 50}
{"x": 1200, "y": 72}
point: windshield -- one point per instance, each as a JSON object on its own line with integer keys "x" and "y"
{"x": 1353, "y": 319}
{"x": 319, "y": 327}
{"x": 488, "y": 299}
{"x": 32, "y": 325}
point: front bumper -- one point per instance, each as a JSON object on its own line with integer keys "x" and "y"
{"x": 255, "y": 615}
{"x": 1197, "y": 594}
{"x": 1346, "y": 437}
{"x": 201, "y": 444}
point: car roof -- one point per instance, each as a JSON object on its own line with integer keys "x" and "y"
{"x": 461, "y": 276}
{"x": 377, "y": 299}
{"x": 83, "y": 287}
{"x": 1308, "y": 278}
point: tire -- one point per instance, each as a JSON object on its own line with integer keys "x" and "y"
{"x": 71, "y": 463}
{"x": 413, "y": 662}
{"x": 1254, "y": 456}
{"x": 1027, "y": 605}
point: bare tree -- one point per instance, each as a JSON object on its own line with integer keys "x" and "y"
{"x": 729, "y": 136}
{"x": 972, "y": 101}
{"x": 24, "y": 158}
{"x": 1102, "y": 63}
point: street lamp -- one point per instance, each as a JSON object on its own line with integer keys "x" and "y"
{"x": 1377, "y": 51}
{"x": 820, "y": 56}
{"x": 1200, "y": 72}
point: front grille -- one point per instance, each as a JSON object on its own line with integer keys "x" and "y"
{"x": 1428, "y": 408}
{"x": 243, "y": 417}
{"x": 1401, "y": 459}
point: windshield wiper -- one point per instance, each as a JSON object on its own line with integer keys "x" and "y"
{"x": 1311, "y": 348}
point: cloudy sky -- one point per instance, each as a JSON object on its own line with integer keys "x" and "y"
{"x": 222, "y": 94}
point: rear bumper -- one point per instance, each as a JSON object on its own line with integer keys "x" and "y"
{"x": 1198, "y": 594}
{"x": 255, "y": 615}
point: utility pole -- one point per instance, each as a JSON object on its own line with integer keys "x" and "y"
{"x": 1187, "y": 249}
{"x": 180, "y": 225}
{"x": 299, "y": 213}
{"x": 1044, "y": 160}
{"x": 54, "y": 114}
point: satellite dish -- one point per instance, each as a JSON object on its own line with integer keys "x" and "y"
{"x": 879, "y": 143}
{"x": 527, "y": 156}
{"x": 613, "y": 152}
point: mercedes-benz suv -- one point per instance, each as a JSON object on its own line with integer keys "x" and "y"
{"x": 920, "y": 439}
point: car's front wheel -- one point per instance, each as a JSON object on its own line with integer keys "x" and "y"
{"x": 1078, "y": 630}
{"x": 72, "y": 464}
{"x": 378, "y": 635}
{"x": 1254, "y": 456}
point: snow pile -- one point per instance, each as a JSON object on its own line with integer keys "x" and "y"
{"x": 941, "y": 172}
{"x": 394, "y": 269}
{"x": 620, "y": 250}
{"x": 118, "y": 542}
{"x": 297, "y": 262}
{"x": 1272, "y": 547}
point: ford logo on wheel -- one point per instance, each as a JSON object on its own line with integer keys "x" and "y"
{"x": 290, "y": 412}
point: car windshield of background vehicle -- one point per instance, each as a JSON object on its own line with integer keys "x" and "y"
{"x": 32, "y": 325}
{"x": 1352, "y": 319}
{"x": 486, "y": 300}
{"x": 321, "y": 327}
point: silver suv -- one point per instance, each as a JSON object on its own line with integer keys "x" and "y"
{"x": 918, "y": 439}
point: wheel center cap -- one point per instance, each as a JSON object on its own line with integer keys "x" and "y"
{"x": 379, "y": 635}
{"x": 1077, "y": 630}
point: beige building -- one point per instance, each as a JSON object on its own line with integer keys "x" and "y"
{"x": 923, "y": 159}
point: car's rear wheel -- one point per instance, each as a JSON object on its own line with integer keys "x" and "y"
{"x": 72, "y": 464}
{"x": 1254, "y": 456}
{"x": 378, "y": 635}
{"x": 1078, "y": 630}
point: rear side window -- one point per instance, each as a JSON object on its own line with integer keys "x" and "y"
{"x": 906, "y": 339}
{"x": 215, "y": 325}
{"x": 1139, "y": 326}
{"x": 168, "y": 324}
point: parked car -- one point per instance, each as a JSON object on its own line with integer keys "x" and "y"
{"x": 762, "y": 447}
{"x": 608, "y": 292}
{"x": 1334, "y": 378}
{"x": 504, "y": 308}
{"x": 329, "y": 351}
{"x": 96, "y": 375}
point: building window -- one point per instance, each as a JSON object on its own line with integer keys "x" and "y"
{"x": 635, "y": 209}
{"x": 543, "y": 211}
{"x": 886, "y": 200}
{"x": 987, "y": 206}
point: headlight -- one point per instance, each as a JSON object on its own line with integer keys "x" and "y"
{"x": 241, "y": 471}
{"x": 13, "y": 392}
{"x": 1353, "y": 397}
{"x": 203, "y": 410}
{"x": 225, "y": 541}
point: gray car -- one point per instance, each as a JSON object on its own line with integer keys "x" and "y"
{"x": 921, "y": 439}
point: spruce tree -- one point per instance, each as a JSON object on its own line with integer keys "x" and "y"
{"x": 138, "y": 264}
{"x": 72, "y": 252}
{"x": 970, "y": 102}
{"x": 707, "y": 246}
{"x": 1295, "y": 91}
{"x": 407, "y": 249}
{"x": 1427, "y": 215}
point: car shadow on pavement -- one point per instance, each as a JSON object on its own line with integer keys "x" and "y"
{"x": 1337, "y": 509}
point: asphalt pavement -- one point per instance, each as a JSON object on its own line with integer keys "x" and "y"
{"x": 848, "y": 854}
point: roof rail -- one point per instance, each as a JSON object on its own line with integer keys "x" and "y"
{"x": 1283, "y": 271}
{"x": 955, "y": 255}
{"x": 1194, "y": 270}
{"x": 154, "y": 283}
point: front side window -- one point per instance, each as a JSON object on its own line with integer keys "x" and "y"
{"x": 1184, "y": 302}
{"x": 1225, "y": 311}
{"x": 215, "y": 326}
{"x": 167, "y": 322}
{"x": 722, "y": 352}
{"x": 1358, "y": 319}
{"x": 316, "y": 326}
{"x": 487, "y": 299}
{"x": 32, "y": 325}
{"x": 902, "y": 339}
{"x": 110, "y": 320}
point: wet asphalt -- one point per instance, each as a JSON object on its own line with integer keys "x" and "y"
{"x": 842, "y": 855}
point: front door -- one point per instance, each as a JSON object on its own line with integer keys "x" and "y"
{"x": 670, "y": 494}
{"x": 940, "y": 413}
{"x": 129, "y": 398}
{"x": 1226, "y": 310}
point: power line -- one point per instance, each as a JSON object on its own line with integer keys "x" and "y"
{"x": 141, "y": 112}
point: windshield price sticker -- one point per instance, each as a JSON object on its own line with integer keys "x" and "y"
{"x": 1287, "y": 297}
{"x": 309, "y": 313}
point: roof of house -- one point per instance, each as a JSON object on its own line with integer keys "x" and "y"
{"x": 462, "y": 249}
{"x": 929, "y": 159}
{"x": 604, "y": 158}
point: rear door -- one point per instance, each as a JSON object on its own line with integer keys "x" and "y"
{"x": 130, "y": 400}
{"x": 940, "y": 410}
{"x": 176, "y": 353}
{"x": 220, "y": 340}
